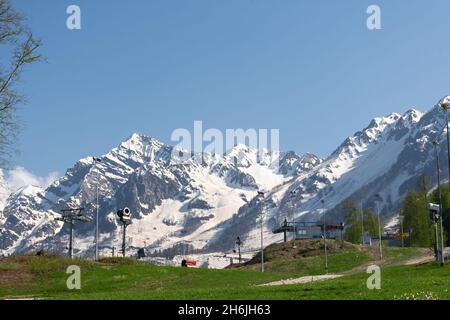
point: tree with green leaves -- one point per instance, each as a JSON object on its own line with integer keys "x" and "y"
{"x": 353, "y": 221}
{"x": 416, "y": 220}
{"x": 434, "y": 197}
{"x": 370, "y": 222}
{"x": 17, "y": 41}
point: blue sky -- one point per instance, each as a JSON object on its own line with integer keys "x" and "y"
{"x": 310, "y": 68}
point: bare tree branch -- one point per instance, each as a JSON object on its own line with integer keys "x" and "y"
{"x": 23, "y": 48}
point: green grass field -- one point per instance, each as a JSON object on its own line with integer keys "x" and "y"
{"x": 45, "y": 278}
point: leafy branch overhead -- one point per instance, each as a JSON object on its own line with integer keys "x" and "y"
{"x": 17, "y": 40}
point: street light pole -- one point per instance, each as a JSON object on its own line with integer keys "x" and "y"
{"x": 261, "y": 195}
{"x": 325, "y": 236}
{"x": 293, "y": 193}
{"x": 444, "y": 106}
{"x": 362, "y": 224}
{"x": 401, "y": 230}
{"x": 438, "y": 170}
{"x": 377, "y": 199}
{"x": 96, "y": 161}
{"x": 262, "y": 244}
{"x": 441, "y": 255}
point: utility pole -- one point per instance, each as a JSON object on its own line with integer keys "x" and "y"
{"x": 96, "y": 161}
{"x": 325, "y": 236}
{"x": 377, "y": 199}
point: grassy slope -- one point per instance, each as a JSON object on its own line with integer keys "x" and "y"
{"x": 307, "y": 258}
{"x": 401, "y": 282}
{"x": 45, "y": 277}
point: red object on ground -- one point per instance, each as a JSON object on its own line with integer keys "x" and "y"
{"x": 191, "y": 263}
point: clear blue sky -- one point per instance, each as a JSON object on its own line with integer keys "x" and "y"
{"x": 310, "y": 68}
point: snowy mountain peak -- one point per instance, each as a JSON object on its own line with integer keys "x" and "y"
{"x": 379, "y": 124}
{"x": 138, "y": 141}
{"x": 27, "y": 191}
{"x": 445, "y": 101}
{"x": 208, "y": 204}
{"x": 409, "y": 118}
{"x": 390, "y": 126}
{"x": 413, "y": 114}
{"x": 242, "y": 155}
{"x": 292, "y": 164}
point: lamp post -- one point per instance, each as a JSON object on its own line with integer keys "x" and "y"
{"x": 444, "y": 105}
{"x": 441, "y": 256}
{"x": 377, "y": 199}
{"x": 401, "y": 218}
{"x": 261, "y": 196}
{"x": 96, "y": 161}
{"x": 293, "y": 193}
{"x": 325, "y": 236}
{"x": 362, "y": 224}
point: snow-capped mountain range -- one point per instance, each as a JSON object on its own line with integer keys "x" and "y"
{"x": 205, "y": 206}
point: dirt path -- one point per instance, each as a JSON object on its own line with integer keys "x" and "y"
{"x": 424, "y": 257}
{"x": 306, "y": 279}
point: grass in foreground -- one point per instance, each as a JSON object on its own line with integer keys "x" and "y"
{"x": 45, "y": 277}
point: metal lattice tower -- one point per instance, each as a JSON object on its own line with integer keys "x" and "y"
{"x": 70, "y": 216}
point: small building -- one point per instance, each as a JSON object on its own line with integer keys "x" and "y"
{"x": 309, "y": 230}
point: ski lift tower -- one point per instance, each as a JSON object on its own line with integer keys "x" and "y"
{"x": 70, "y": 216}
